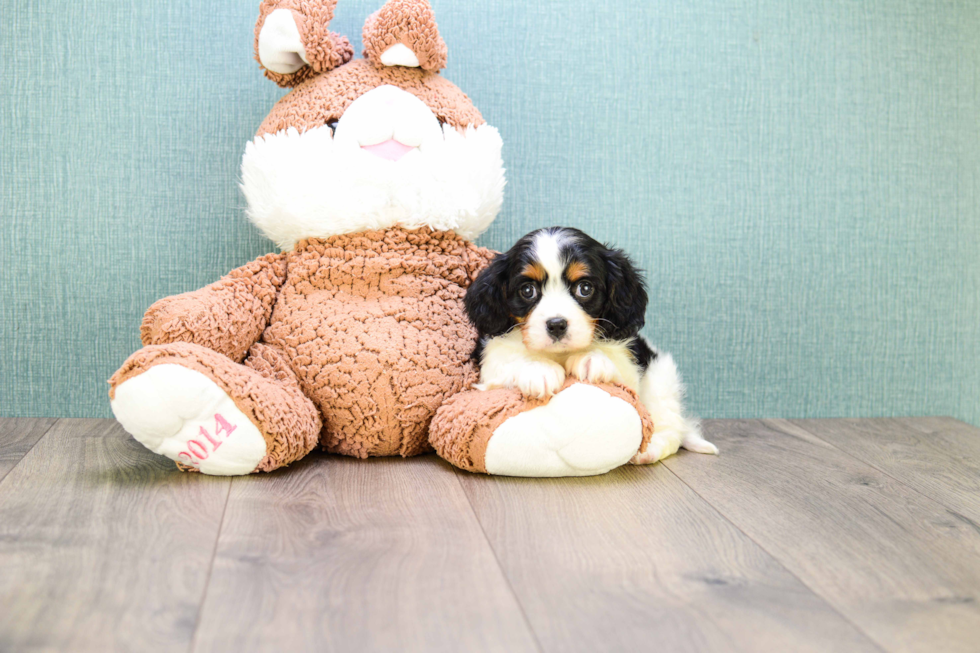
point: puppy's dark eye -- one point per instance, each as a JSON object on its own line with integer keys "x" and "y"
{"x": 528, "y": 291}
{"x": 584, "y": 289}
{"x": 332, "y": 124}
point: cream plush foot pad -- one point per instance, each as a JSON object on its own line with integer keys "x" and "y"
{"x": 582, "y": 431}
{"x": 185, "y": 416}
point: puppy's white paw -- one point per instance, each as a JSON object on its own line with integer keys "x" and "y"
{"x": 539, "y": 379}
{"x": 648, "y": 457}
{"x": 592, "y": 366}
{"x": 662, "y": 444}
{"x": 700, "y": 445}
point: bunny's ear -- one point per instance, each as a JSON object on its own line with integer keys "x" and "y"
{"x": 292, "y": 41}
{"x": 404, "y": 33}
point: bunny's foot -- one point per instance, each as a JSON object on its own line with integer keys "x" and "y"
{"x": 211, "y": 415}
{"x": 584, "y": 430}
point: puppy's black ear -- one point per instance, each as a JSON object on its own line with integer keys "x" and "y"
{"x": 486, "y": 299}
{"x": 626, "y": 298}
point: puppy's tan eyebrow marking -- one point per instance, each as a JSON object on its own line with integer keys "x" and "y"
{"x": 576, "y": 270}
{"x": 535, "y": 271}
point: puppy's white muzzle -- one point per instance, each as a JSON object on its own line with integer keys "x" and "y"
{"x": 558, "y": 324}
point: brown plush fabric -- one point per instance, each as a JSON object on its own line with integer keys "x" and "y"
{"x": 228, "y": 316}
{"x": 265, "y": 389}
{"x": 363, "y": 337}
{"x": 410, "y": 22}
{"x": 464, "y": 425}
{"x": 325, "y": 97}
{"x": 324, "y": 89}
{"x": 325, "y": 50}
{"x": 374, "y": 326}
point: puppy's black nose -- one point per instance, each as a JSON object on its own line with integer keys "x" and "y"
{"x": 557, "y": 326}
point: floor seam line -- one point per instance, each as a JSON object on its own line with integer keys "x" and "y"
{"x": 207, "y": 581}
{"x": 779, "y": 562}
{"x": 872, "y": 466}
{"x": 57, "y": 421}
{"x": 500, "y": 567}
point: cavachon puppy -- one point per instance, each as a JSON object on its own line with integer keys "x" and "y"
{"x": 560, "y": 304}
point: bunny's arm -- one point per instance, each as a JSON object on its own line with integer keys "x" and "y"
{"x": 228, "y": 316}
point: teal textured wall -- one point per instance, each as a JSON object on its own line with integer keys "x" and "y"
{"x": 799, "y": 179}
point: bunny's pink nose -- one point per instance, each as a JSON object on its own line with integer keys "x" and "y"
{"x": 390, "y": 150}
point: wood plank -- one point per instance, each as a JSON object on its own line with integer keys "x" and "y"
{"x": 357, "y": 555}
{"x": 635, "y": 560}
{"x": 103, "y": 545}
{"x": 898, "y": 564}
{"x": 17, "y": 436}
{"x": 939, "y": 457}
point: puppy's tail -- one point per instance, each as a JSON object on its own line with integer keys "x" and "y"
{"x": 694, "y": 441}
{"x": 663, "y": 395}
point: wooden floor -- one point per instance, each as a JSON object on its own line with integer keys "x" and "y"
{"x": 828, "y": 535}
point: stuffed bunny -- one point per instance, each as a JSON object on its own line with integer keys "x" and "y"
{"x": 373, "y": 177}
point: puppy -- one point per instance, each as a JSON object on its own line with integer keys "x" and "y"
{"x": 560, "y": 303}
